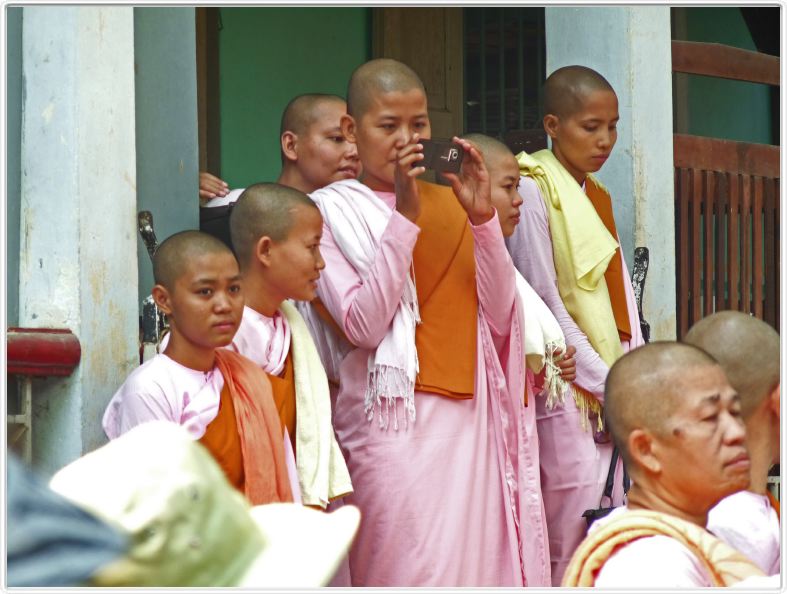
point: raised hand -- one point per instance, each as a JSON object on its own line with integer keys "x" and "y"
{"x": 472, "y": 186}
{"x": 408, "y": 200}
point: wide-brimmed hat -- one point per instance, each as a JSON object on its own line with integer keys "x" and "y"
{"x": 189, "y": 527}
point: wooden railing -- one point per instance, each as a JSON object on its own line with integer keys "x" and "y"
{"x": 727, "y": 203}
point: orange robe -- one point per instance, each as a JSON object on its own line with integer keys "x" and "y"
{"x": 283, "y": 387}
{"x": 223, "y": 441}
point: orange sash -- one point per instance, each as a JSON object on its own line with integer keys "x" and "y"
{"x": 284, "y": 396}
{"x": 602, "y": 202}
{"x": 223, "y": 441}
{"x": 259, "y": 429}
{"x": 326, "y": 316}
{"x": 444, "y": 265}
{"x": 774, "y": 503}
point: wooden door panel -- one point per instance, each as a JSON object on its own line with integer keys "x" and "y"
{"x": 429, "y": 40}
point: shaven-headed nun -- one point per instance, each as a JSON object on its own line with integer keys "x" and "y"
{"x": 173, "y": 254}
{"x": 377, "y": 77}
{"x": 566, "y": 88}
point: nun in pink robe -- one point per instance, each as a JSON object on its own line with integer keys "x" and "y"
{"x": 452, "y": 498}
{"x": 574, "y": 465}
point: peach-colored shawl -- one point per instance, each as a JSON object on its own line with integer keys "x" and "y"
{"x": 259, "y": 427}
{"x": 724, "y": 564}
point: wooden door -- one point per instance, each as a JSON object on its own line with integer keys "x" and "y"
{"x": 429, "y": 40}
{"x": 207, "y": 23}
{"x": 727, "y": 206}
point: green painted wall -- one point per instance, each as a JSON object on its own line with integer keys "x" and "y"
{"x": 13, "y": 159}
{"x": 13, "y": 163}
{"x": 722, "y": 108}
{"x": 269, "y": 55}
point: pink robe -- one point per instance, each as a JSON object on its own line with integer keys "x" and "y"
{"x": 653, "y": 562}
{"x": 264, "y": 340}
{"x": 452, "y": 499}
{"x": 747, "y": 522}
{"x": 162, "y": 389}
{"x": 573, "y": 466}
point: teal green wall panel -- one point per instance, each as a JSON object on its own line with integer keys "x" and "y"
{"x": 269, "y": 55}
{"x": 166, "y": 124}
{"x": 13, "y": 159}
{"x": 13, "y": 171}
{"x": 722, "y": 108}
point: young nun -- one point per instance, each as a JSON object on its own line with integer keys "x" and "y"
{"x": 430, "y": 410}
{"x": 567, "y": 248}
{"x": 276, "y": 233}
{"x": 222, "y": 399}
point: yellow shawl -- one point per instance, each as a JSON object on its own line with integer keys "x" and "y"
{"x": 724, "y": 564}
{"x": 322, "y": 471}
{"x": 582, "y": 249}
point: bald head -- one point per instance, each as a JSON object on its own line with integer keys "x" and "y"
{"x": 173, "y": 254}
{"x": 644, "y": 387}
{"x": 302, "y": 111}
{"x": 566, "y": 88}
{"x": 490, "y": 148}
{"x": 746, "y": 348}
{"x": 264, "y": 210}
{"x": 378, "y": 77}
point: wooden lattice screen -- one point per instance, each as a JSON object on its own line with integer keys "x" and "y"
{"x": 727, "y": 204}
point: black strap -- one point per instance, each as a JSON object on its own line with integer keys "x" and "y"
{"x": 608, "y": 486}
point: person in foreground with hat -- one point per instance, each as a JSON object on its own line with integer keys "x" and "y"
{"x": 186, "y": 524}
{"x": 677, "y": 422}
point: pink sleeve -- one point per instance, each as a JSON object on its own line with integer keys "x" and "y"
{"x": 364, "y": 308}
{"x": 495, "y": 280}
{"x": 137, "y": 402}
{"x": 531, "y": 250}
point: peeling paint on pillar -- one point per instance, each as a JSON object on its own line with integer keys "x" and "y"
{"x": 634, "y": 54}
{"x": 78, "y": 250}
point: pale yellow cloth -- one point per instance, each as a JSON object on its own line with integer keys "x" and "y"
{"x": 725, "y": 565}
{"x": 582, "y": 248}
{"x": 322, "y": 471}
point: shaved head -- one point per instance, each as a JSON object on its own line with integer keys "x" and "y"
{"x": 263, "y": 210}
{"x": 491, "y": 148}
{"x": 644, "y": 387}
{"x": 300, "y": 112}
{"x": 746, "y": 348}
{"x": 172, "y": 255}
{"x": 378, "y": 77}
{"x": 566, "y": 88}
{"x": 303, "y": 111}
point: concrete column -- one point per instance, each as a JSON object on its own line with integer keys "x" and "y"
{"x": 631, "y": 47}
{"x": 78, "y": 264}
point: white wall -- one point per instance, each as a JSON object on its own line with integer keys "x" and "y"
{"x": 631, "y": 47}
{"x": 78, "y": 264}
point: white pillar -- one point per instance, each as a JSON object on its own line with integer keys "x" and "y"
{"x": 631, "y": 47}
{"x": 78, "y": 264}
